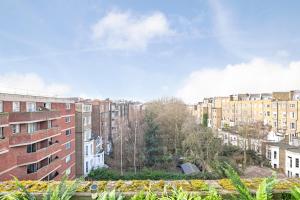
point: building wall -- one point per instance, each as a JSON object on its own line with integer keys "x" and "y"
{"x": 49, "y": 142}
{"x": 272, "y": 153}
{"x": 292, "y": 163}
{"x": 88, "y": 157}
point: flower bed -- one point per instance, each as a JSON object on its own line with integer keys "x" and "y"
{"x": 119, "y": 186}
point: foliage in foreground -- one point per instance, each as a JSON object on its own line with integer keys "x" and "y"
{"x": 62, "y": 191}
{"x": 264, "y": 191}
{"x": 66, "y": 190}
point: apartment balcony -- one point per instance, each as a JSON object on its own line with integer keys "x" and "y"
{"x": 26, "y": 117}
{"x": 43, "y": 172}
{"x": 3, "y": 119}
{"x": 29, "y": 138}
{"x": 4, "y": 145}
{"x": 40, "y": 154}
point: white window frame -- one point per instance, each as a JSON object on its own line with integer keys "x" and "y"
{"x": 15, "y": 128}
{"x": 68, "y": 132}
{"x": 68, "y": 119}
{"x": 31, "y": 127}
{"x": 49, "y": 124}
{"x": 16, "y": 106}
{"x": 68, "y": 145}
{"x": 68, "y": 106}
{"x": 68, "y": 158}
{"x": 30, "y": 106}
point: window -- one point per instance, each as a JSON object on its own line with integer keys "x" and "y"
{"x": 49, "y": 124}
{"x": 31, "y": 168}
{"x": 297, "y": 175}
{"x": 68, "y": 132}
{"x": 68, "y": 158}
{"x": 31, "y": 127}
{"x": 15, "y": 128}
{"x": 293, "y": 125}
{"x": 89, "y": 120}
{"x": 292, "y": 105}
{"x": 269, "y": 154}
{"x": 87, "y": 167}
{"x": 47, "y": 105}
{"x": 86, "y": 150}
{"x": 68, "y": 106}
{"x": 1, "y": 106}
{"x": 68, "y": 119}
{"x": 31, "y": 148}
{"x": 275, "y": 154}
{"x": 292, "y": 115}
{"x": 84, "y": 121}
{"x": 16, "y": 106}
{"x": 87, "y": 108}
{"x": 275, "y": 166}
{"x": 297, "y": 162}
{"x": 68, "y": 145}
{"x": 91, "y": 148}
{"x": 87, "y": 135}
{"x": 68, "y": 171}
{"x": 1, "y": 133}
{"x": 30, "y": 106}
{"x": 291, "y": 161}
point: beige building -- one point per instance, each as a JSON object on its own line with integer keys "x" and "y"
{"x": 280, "y": 110}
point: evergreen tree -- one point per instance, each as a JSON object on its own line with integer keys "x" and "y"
{"x": 152, "y": 141}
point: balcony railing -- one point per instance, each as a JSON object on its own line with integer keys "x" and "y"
{"x": 3, "y": 118}
{"x": 40, "y": 154}
{"x": 42, "y": 172}
{"x": 22, "y": 117}
{"x": 29, "y": 138}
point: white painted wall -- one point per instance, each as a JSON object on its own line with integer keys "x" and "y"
{"x": 274, "y": 155}
{"x": 291, "y": 170}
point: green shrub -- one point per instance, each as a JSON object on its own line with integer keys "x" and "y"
{"x": 146, "y": 174}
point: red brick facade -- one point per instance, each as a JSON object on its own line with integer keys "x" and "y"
{"x": 45, "y": 153}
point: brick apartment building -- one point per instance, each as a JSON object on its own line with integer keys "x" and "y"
{"x": 37, "y": 137}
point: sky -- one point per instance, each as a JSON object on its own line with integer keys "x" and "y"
{"x": 144, "y": 50}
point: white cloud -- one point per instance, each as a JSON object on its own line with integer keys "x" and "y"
{"x": 31, "y": 83}
{"x": 258, "y": 75}
{"x": 123, "y": 30}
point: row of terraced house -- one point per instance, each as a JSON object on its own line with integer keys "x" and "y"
{"x": 46, "y": 138}
{"x": 279, "y": 115}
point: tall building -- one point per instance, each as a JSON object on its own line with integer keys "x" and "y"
{"x": 89, "y": 151}
{"x": 102, "y": 122}
{"x": 37, "y": 137}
